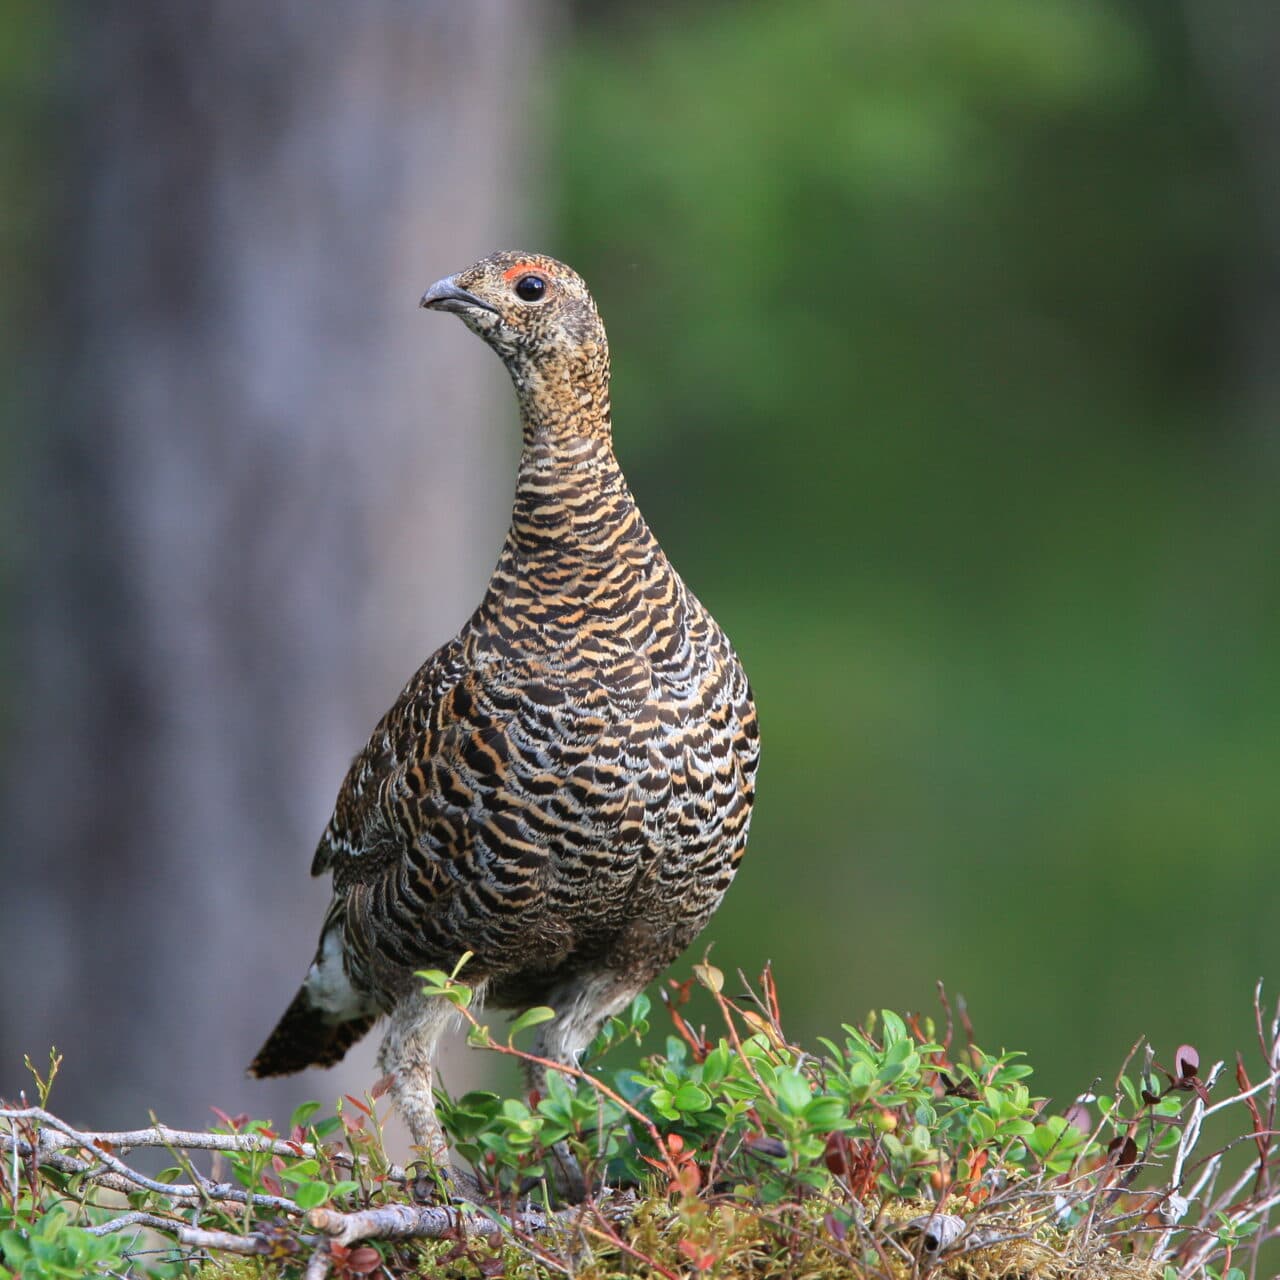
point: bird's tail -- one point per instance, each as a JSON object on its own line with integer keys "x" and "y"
{"x": 307, "y": 1036}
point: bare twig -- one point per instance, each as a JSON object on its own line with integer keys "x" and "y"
{"x": 113, "y": 1174}
{"x": 56, "y": 1135}
{"x": 193, "y": 1237}
{"x": 318, "y": 1264}
{"x": 426, "y": 1222}
{"x": 411, "y": 1221}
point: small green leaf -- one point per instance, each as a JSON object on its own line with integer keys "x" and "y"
{"x": 921, "y": 1139}
{"x": 824, "y": 1113}
{"x": 534, "y": 1017}
{"x": 890, "y": 1071}
{"x": 14, "y": 1247}
{"x": 716, "y": 1064}
{"x": 660, "y": 1101}
{"x": 894, "y": 1027}
{"x": 311, "y": 1195}
{"x": 793, "y": 1091}
{"x": 690, "y": 1097}
{"x": 982, "y": 1126}
{"x": 302, "y": 1114}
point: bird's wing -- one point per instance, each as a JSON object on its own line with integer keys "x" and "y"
{"x": 457, "y": 816}
{"x": 464, "y": 773}
{"x": 353, "y": 830}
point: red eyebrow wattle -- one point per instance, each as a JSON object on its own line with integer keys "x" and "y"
{"x": 520, "y": 269}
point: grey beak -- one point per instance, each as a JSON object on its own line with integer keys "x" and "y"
{"x": 445, "y": 295}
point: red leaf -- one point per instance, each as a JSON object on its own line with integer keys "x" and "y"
{"x": 1262, "y": 1137}
{"x": 698, "y": 1045}
{"x": 364, "y": 1260}
{"x": 359, "y": 1106}
{"x": 702, "y": 1259}
{"x": 1186, "y": 1062}
{"x": 681, "y": 992}
{"x": 230, "y": 1122}
{"x": 381, "y": 1086}
{"x": 687, "y": 1180}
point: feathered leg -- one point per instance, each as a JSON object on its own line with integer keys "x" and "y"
{"x": 408, "y": 1047}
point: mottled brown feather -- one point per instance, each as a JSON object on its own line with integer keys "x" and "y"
{"x": 565, "y": 788}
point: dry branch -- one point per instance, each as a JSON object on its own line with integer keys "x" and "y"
{"x": 426, "y": 1222}
{"x": 55, "y": 1139}
{"x": 194, "y": 1237}
{"x": 57, "y": 1135}
{"x": 37, "y": 1138}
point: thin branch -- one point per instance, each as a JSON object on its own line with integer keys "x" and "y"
{"x": 318, "y": 1264}
{"x": 193, "y": 1237}
{"x": 427, "y": 1222}
{"x": 118, "y": 1176}
{"x": 57, "y": 1135}
{"x": 1266, "y": 1083}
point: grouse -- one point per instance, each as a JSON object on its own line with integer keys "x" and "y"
{"x": 564, "y": 789}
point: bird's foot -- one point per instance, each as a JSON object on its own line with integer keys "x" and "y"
{"x": 569, "y": 1178}
{"x": 434, "y": 1182}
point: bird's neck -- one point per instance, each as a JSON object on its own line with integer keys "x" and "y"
{"x": 564, "y": 407}
{"x": 570, "y": 491}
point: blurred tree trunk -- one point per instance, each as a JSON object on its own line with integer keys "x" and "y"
{"x": 261, "y": 488}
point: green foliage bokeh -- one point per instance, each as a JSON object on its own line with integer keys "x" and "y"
{"x": 926, "y": 324}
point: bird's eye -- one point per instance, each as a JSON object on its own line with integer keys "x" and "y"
{"x": 531, "y": 288}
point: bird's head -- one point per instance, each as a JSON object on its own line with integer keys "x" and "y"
{"x": 535, "y": 312}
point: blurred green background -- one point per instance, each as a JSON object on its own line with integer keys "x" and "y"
{"x": 944, "y": 344}
{"x": 932, "y": 329}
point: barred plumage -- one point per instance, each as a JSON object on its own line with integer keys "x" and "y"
{"x": 565, "y": 788}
